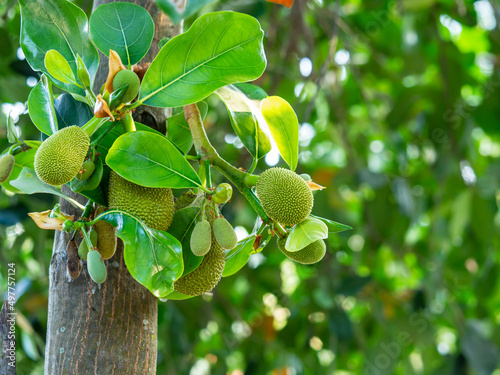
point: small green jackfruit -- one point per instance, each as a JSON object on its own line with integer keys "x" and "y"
{"x": 310, "y": 254}
{"x": 154, "y": 206}
{"x": 61, "y": 156}
{"x": 185, "y": 199}
{"x": 201, "y": 238}
{"x": 96, "y": 267}
{"x": 86, "y": 170}
{"x": 106, "y": 239}
{"x": 127, "y": 77}
{"x": 285, "y": 196}
{"x": 223, "y": 193}
{"x": 224, "y": 234}
{"x": 7, "y": 162}
{"x": 83, "y": 249}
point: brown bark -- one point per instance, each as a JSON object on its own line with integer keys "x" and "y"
{"x": 7, "y": 342}
{"x": 109, "y": 328}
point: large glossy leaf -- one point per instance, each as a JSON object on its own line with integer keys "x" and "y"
{"x": 58, "y": 67}
{"x": 153, "y": 257}
{"x": 59, "y": 25}
{"x": 239, "y": 256}
{"x": 284, "y": 127}
{"x": 123, "y": 27}
{"x": 219, "y": 49}
{"x": 305, "y": 233}
{"x": 29, "y": 183}
{"x": 41, "y": 107}
{"x": 333, "y": 226}
{"x": 182, "y": 227}
{"x": 151, "y": 160}
{"x": 176, "y": 12}
{"x": 244, "y": 122}
{"x": 23, "y": 159}
{"x": 71, "y": 112}
{"x": 178, "y": 129}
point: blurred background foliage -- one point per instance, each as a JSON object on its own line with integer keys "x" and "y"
{"x": 398, "y": 105}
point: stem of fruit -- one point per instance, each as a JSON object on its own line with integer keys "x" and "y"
{"x": 128, "y": 123}
{"x": 208, "y": 153}
{"x": 87, "y": 239}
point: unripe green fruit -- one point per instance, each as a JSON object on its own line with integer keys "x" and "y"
{"x": 83, "y": 249}
{"x": 7, "y": 163}
{"x": 96, "y": 267}
{"x": 223, "y": 193}
{"x": 127, "y": 77}
{"x": 86, "y": 171}
{"x": 224, "y": 234}
{"x": 61, "y": 156}
{"x": 285, "y": 196}
{"x": 310, "y": 254}
{"x": 106, "y": 239}
{"x": 184, "y": 200}
{"x": 201, "y": 238}
{"x": 154, "y": 206}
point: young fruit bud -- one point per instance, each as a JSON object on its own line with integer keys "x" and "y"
{"x": 61, "y": 156}
{"x": 86, "y": 171}
{"x": 225, "y": 234}
{"x": 106, "y": 238}
{"x": 6, "y": 166}
{"x": 310, "y": 254}
{"x": 83, "y": 249}
{"x": 223, "y": 193}
{"x": 201, "y": 238}
{"x": 96, "y": 267}
{"x": 285, "y": 196}
{"x": 127, "y": 77}
{"x": 72, "y": 261}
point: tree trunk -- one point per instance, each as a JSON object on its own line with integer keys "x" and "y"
{"x": 109, "y": 328}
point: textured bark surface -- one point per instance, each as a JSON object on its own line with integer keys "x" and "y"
{"x": 6, "y": 342}
{"x": 109, "y": 328}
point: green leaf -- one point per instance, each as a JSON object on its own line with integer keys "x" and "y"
{"x": 183, "y": 224}
{"x": 176, "y": 296}
{"x": 177, "y": 14}
{"x": 237, "y": 258}
{"x": 92, "y": 182}
{"x": 125, "y": 28}
{"x": 13, "y": 132}
{"x": 71, "y": 112}
{"x": 252, "y": 92}
{"x": 178, "y": 129}
{"x": 305, "y": 233}
{"x": 219, "y": 49}
{"x": 333, "y": 226}
{"x": 284, "y": 127}
{"x": 23, "y": 159}
{"x": 153, "y": 257}
{"x": 29, "y": 183}
{"x": 59, "y": 25}
{"x": 58, "y": 67}
{"x": 244, "y": 122}
{"x": 151, "y": 160}
{"x": 41, "y": 107}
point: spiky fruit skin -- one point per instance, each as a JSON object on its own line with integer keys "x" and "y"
{"x": 285, "y": 196}
{"x": 60, "y": 157}
{"x": 96, "y": 267}
{"x": 184, "y": 200}
{"x": 310, "y": 254}
{"x": 204, "y": 278}
{"x": 6, "y": 165}
{"x": 86, "y": 171}
{"x": 201, "y": 238}
{"x": 83, "y": 249}
{"x": 106, "y": 239}
{"x": 224, "y": 234}
{"x": 154, "y": 206}
{"x": 127, "y": 77}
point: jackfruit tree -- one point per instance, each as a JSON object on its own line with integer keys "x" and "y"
{"x": 146, "y": 198}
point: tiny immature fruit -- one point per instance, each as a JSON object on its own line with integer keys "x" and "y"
{"x": 127, "y": 77}
{"x": 83, "y": 249}
{"x": 6, "y": 165}
{"x": 223, "y": 193}
{"x": 60, "y": 157}
{"x": 96, "y": 267}
{"x": 106, "y": 238}
{"x": 201, "y": 238}
{"x": 224, "y": 234}
{"x": 72, "y": 261}
{"x": 310, "y": 254}
{"x": 86, "y": 170}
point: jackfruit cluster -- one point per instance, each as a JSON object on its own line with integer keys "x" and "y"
{"x": 106, "y": 237}
{"x": 154, "y": 206}
{"x": 310, "y": 254}
{"x": 201, "y": 238}
{"x": 204, "y": 278}
{"x": 7, "y": 163}
{"x": 127, "y": 77}
{"x": 224, "y": 234}
{"x": 96, "y": 267}
{"x": 60, "y": 157}
{"x": 284, "y": 195}
{"x": 83, "y": 249}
